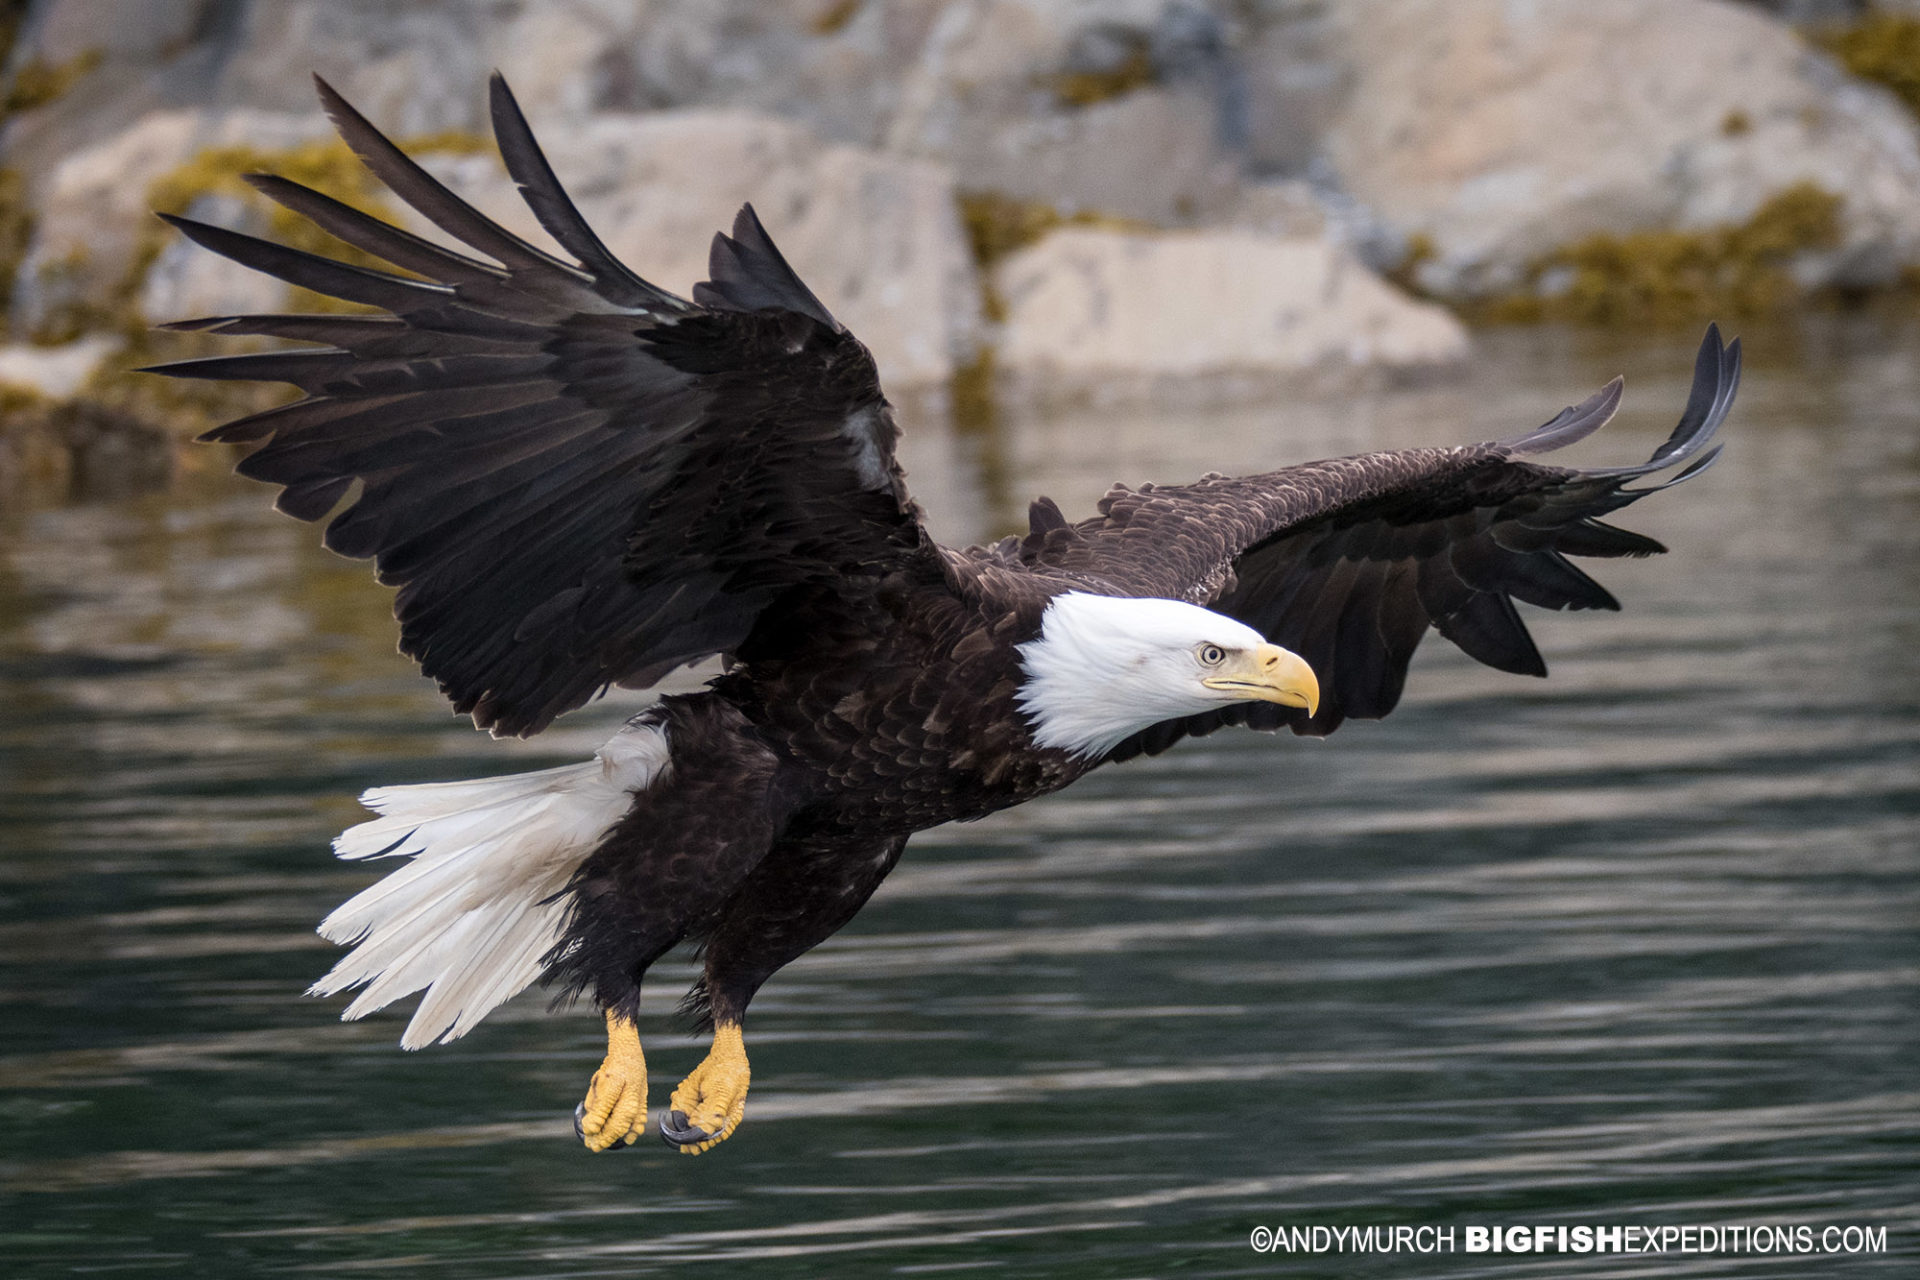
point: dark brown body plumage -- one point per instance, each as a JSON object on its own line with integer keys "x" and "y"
{"x": 578, "y": 479}
{"x": 807, "y": 769}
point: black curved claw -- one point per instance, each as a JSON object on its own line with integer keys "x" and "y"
{"x": 677, "y": 1133}
{"x": 580, "y": 1133}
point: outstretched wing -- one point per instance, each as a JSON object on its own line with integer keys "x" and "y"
{"x": 1348, "y": 562}
{"x": 575, "y": 478}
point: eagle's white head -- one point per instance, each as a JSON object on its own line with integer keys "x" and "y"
{"x": 1105, "y": 667}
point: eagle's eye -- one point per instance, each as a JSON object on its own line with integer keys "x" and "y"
{"x": 1212, "y": 654}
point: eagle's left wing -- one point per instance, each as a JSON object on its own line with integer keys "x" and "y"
{"x": 1348, "y": 562}
{"x": 574, "y": 478}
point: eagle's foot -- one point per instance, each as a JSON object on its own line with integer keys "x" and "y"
{"x": 709, "y": 1104}
{"x": 615, "y": 1111}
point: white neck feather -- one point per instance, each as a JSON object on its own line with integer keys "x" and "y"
{"x": 1104, "y": 667}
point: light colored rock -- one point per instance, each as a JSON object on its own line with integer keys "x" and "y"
{"x": 1087, "y": 309}
{"x": 981, "y": 98}
{"x": 413, "y": 68}
{"x": 57, "y": 31}
{"x": 1292, "y": 86}
{"x": 422, "y": 67}
{"x": 965, "y": 81}
{"x": 142, "y": 69}
{"x": 1151, "y": 155}
{"x": 876, "y": 237}
{"x": 834, "y": 68}
{"x": 1283, "y": 207}
{"x": 55, "y": 372}
{"x": 94, "y": 214}
{"x": 1502, "y": 130}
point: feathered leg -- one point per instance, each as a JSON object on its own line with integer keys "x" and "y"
{"x": 799, "y": 896}
{"x": 664, "y": 871}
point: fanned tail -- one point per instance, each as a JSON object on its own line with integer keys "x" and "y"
{"x": 482, "y": 900}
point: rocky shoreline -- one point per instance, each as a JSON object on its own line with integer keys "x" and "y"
{"x": 1022, "y": 200}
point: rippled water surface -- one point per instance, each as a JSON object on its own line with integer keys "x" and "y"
{"x": 1636, "y": 944}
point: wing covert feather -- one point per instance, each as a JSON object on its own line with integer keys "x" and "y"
{"x": 1348, "y": 562}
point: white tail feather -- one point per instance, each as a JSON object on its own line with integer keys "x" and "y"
{"x": 470, "y": 916}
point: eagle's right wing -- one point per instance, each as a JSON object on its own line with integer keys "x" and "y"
{"x": 575, "y": 478}
{"x": 1348, "y": 562}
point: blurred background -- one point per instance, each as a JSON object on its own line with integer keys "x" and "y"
{"x": 1639, "y": 943}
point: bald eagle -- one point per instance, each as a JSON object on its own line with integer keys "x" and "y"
{"x": 577, "y": 479}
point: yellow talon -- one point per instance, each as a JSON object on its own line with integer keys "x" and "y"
{"x": 615, "y": 1111}
{"x": 710, "y": 1103}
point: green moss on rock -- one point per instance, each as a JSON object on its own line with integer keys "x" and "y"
{"x": 38, "y": 83}
{"x": 970, "y": 395}
{"x": 832, "y": 18}
{"x": 1079, "y": 89}
{"x": 1671, "y": 277}
{"x": 327, "y": 165}
{"x": 1420, "y": 250}
{"x": 999, "y": 226}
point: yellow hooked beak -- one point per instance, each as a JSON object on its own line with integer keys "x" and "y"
{"x": 1268, "y": 674}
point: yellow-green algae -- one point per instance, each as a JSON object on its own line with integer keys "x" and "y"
{"x": 999, "y": 226}
{"x": 16, "y": 230}
{"x": 1672, "y": 277}
{"x": 1078, "y": 89}
{"x": 970, "y": 392}
{"x": 1406, "y": 274}
{"x": 834, "y": 17}
{"x": 1882, "y": 47}
{"x": 38, "y": 82}
{"x": 327, "y": 165}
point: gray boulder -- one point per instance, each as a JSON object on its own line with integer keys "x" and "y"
{"x": 1500, "y": 132}
{"x": 1107, "y": 314}
{"x": 1123, "y": 108}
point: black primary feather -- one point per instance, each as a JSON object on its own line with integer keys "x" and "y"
{"x": 745, "y": 272}
{"x": 550, "y": 452}
{"x": 542, "y": 191}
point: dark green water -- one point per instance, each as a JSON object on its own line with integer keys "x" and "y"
{"x": 1639, "y": 944}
